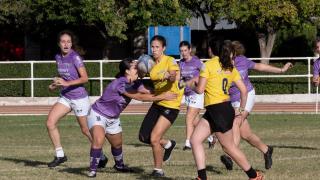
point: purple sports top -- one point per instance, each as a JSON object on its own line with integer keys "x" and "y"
{"x": 243, "y": 65}
{"x": 68, "y": 70}
{"x": 316, "y": 68}
{"x": 113, "y": 102}
{"x": 189, "y": 70}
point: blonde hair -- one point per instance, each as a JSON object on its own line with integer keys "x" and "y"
{"x": 238, "y": 48}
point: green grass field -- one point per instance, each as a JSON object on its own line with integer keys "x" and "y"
{"x": 25, "y": 149}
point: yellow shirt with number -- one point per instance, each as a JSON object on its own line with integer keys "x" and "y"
{"x": 218, "y": 81}
{"x": 157, "y": 73}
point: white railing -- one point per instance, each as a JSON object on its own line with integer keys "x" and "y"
{"x": 101, "y": 77}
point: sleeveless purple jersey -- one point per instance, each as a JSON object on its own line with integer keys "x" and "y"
{"x": 189, "y": 70}
{"x": 68, "y": 70}
{"x": 113, "y": 102}
{"x": 316, "y": 68}
{"x": 243, "y": 65}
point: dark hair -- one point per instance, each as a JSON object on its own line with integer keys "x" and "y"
{"x": 159, "y": 38}
{"x": 185, "y": 43}
{"x": 74, "y": 41}
{"x": 316, "y": 42}
{"x": 238, "y": 48}
{"x": 124, "y": 65}
{"x": 215, "y": 47}
{"x": 224, "y": 58}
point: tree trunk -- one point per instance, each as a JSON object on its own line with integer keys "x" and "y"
{"x": 266, "y": 45}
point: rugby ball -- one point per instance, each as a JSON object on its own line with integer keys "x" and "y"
{"x": 145, "y": 64}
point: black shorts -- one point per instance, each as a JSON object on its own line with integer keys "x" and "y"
{"x": 220, "y": 116}
{"x": 151, "y": 119}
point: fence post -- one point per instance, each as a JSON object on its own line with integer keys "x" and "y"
{"x": 32, "y": 88}
{"x": 101, "y": 77}
{"x": 309, "y": 81}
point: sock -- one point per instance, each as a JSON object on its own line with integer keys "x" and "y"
{"x": 251, "y": 173}
{"x": 210, "y": 138}
{"x": 158, "y": 170}
{"x": 202, "y": 174}
{"x": 118, "y": 156}
{"x": 94, "y": 158}
{"x": 59, "y": 152}
{"x": 168, "y": 145}
{"x": 188, "y": 143}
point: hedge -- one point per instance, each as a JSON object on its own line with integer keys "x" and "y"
{"x": 22, "y": 88}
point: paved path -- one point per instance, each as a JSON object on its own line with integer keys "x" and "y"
{"x": 142, "y": 109}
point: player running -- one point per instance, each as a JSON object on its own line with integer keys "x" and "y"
{"x": 190, "y": 67}
{"x": 104, "y": 121}
{"x": 241, "y": 127}
{"x": 73, "y": 95}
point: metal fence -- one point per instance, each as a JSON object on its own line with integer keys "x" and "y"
{"x": 101, "y": 77}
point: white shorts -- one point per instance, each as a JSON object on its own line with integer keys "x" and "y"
{"x": 111, "y": 126}
{"x": 195, "y": 100}
{"x": 250, "y": 101}
{"x": 80, "y": 107}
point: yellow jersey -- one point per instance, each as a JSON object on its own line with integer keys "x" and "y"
{"x": 157, "y": 73}
{"x": 218, "y": 81}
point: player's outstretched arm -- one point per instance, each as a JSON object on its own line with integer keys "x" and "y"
{"x": 268, "y": 68}
{"x": 151, "y": 97}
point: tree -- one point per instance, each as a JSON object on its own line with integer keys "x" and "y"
{"x": 267, "y": 17}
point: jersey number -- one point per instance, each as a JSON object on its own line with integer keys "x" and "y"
{"x": 224, "y": 85}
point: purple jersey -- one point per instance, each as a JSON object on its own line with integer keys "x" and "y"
{"x": 113, "y": 102}
{"x": 68, "y": 70}
{"x": 243, "y": 65}
{"x": 316, "y": 68}
{"x": 189, "y": 70}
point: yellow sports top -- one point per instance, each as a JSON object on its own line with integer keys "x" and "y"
{"x": 157, "y": 73}
{"x": 218, "y": 81}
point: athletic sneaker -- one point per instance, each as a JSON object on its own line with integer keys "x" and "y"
{"x": 259, "y": 176}
{"x": 268, "y": 158}
{"x": 186, "y": 148}
{"x": 102, "y": 163}
{"x": 123, "y": 168}
{"x": 167, "y": 152}
{"x": 227, "y": 161}
{"x": 157, "y": 173}
{"x": 57, "y": 160}
{"x": 92, "y": 174}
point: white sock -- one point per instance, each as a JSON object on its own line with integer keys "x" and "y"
{"x": 59, "y": 152}
{"x": 159, "y": 170}
{"x": 210, "y": 138}
{"x": 188, "y": 143}
{"x": 168, "y": 145}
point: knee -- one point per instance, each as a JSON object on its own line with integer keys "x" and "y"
{"x": 144, "y": 138}
{"x": 155, "y": 141}
{"x": 51, "y": 123}
{"x": 194, "y": 141}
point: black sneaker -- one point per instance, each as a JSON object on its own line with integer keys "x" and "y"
{"x": 268, "y": 157}
{"x": 102, "y": 163}
{"x": 123, "y": 168}
{"x": 156, "y": 173}
{"x": 92, "y": 174}
{"x": 57, "y": 160}
{"x": 186, "y": 148}
{"x": 167, "y": 152}
{"x": 227, "y": 161}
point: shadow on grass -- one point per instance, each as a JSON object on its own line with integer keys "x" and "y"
{"x": 294, "y": 147}
{"x": 78, "y": 171}
{"x": 213, "y": 169}
{"x": 26, "y": 162}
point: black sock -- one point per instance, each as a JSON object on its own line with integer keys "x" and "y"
{"x": 202, "y": 174}
{"x": 251, "y": 173}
